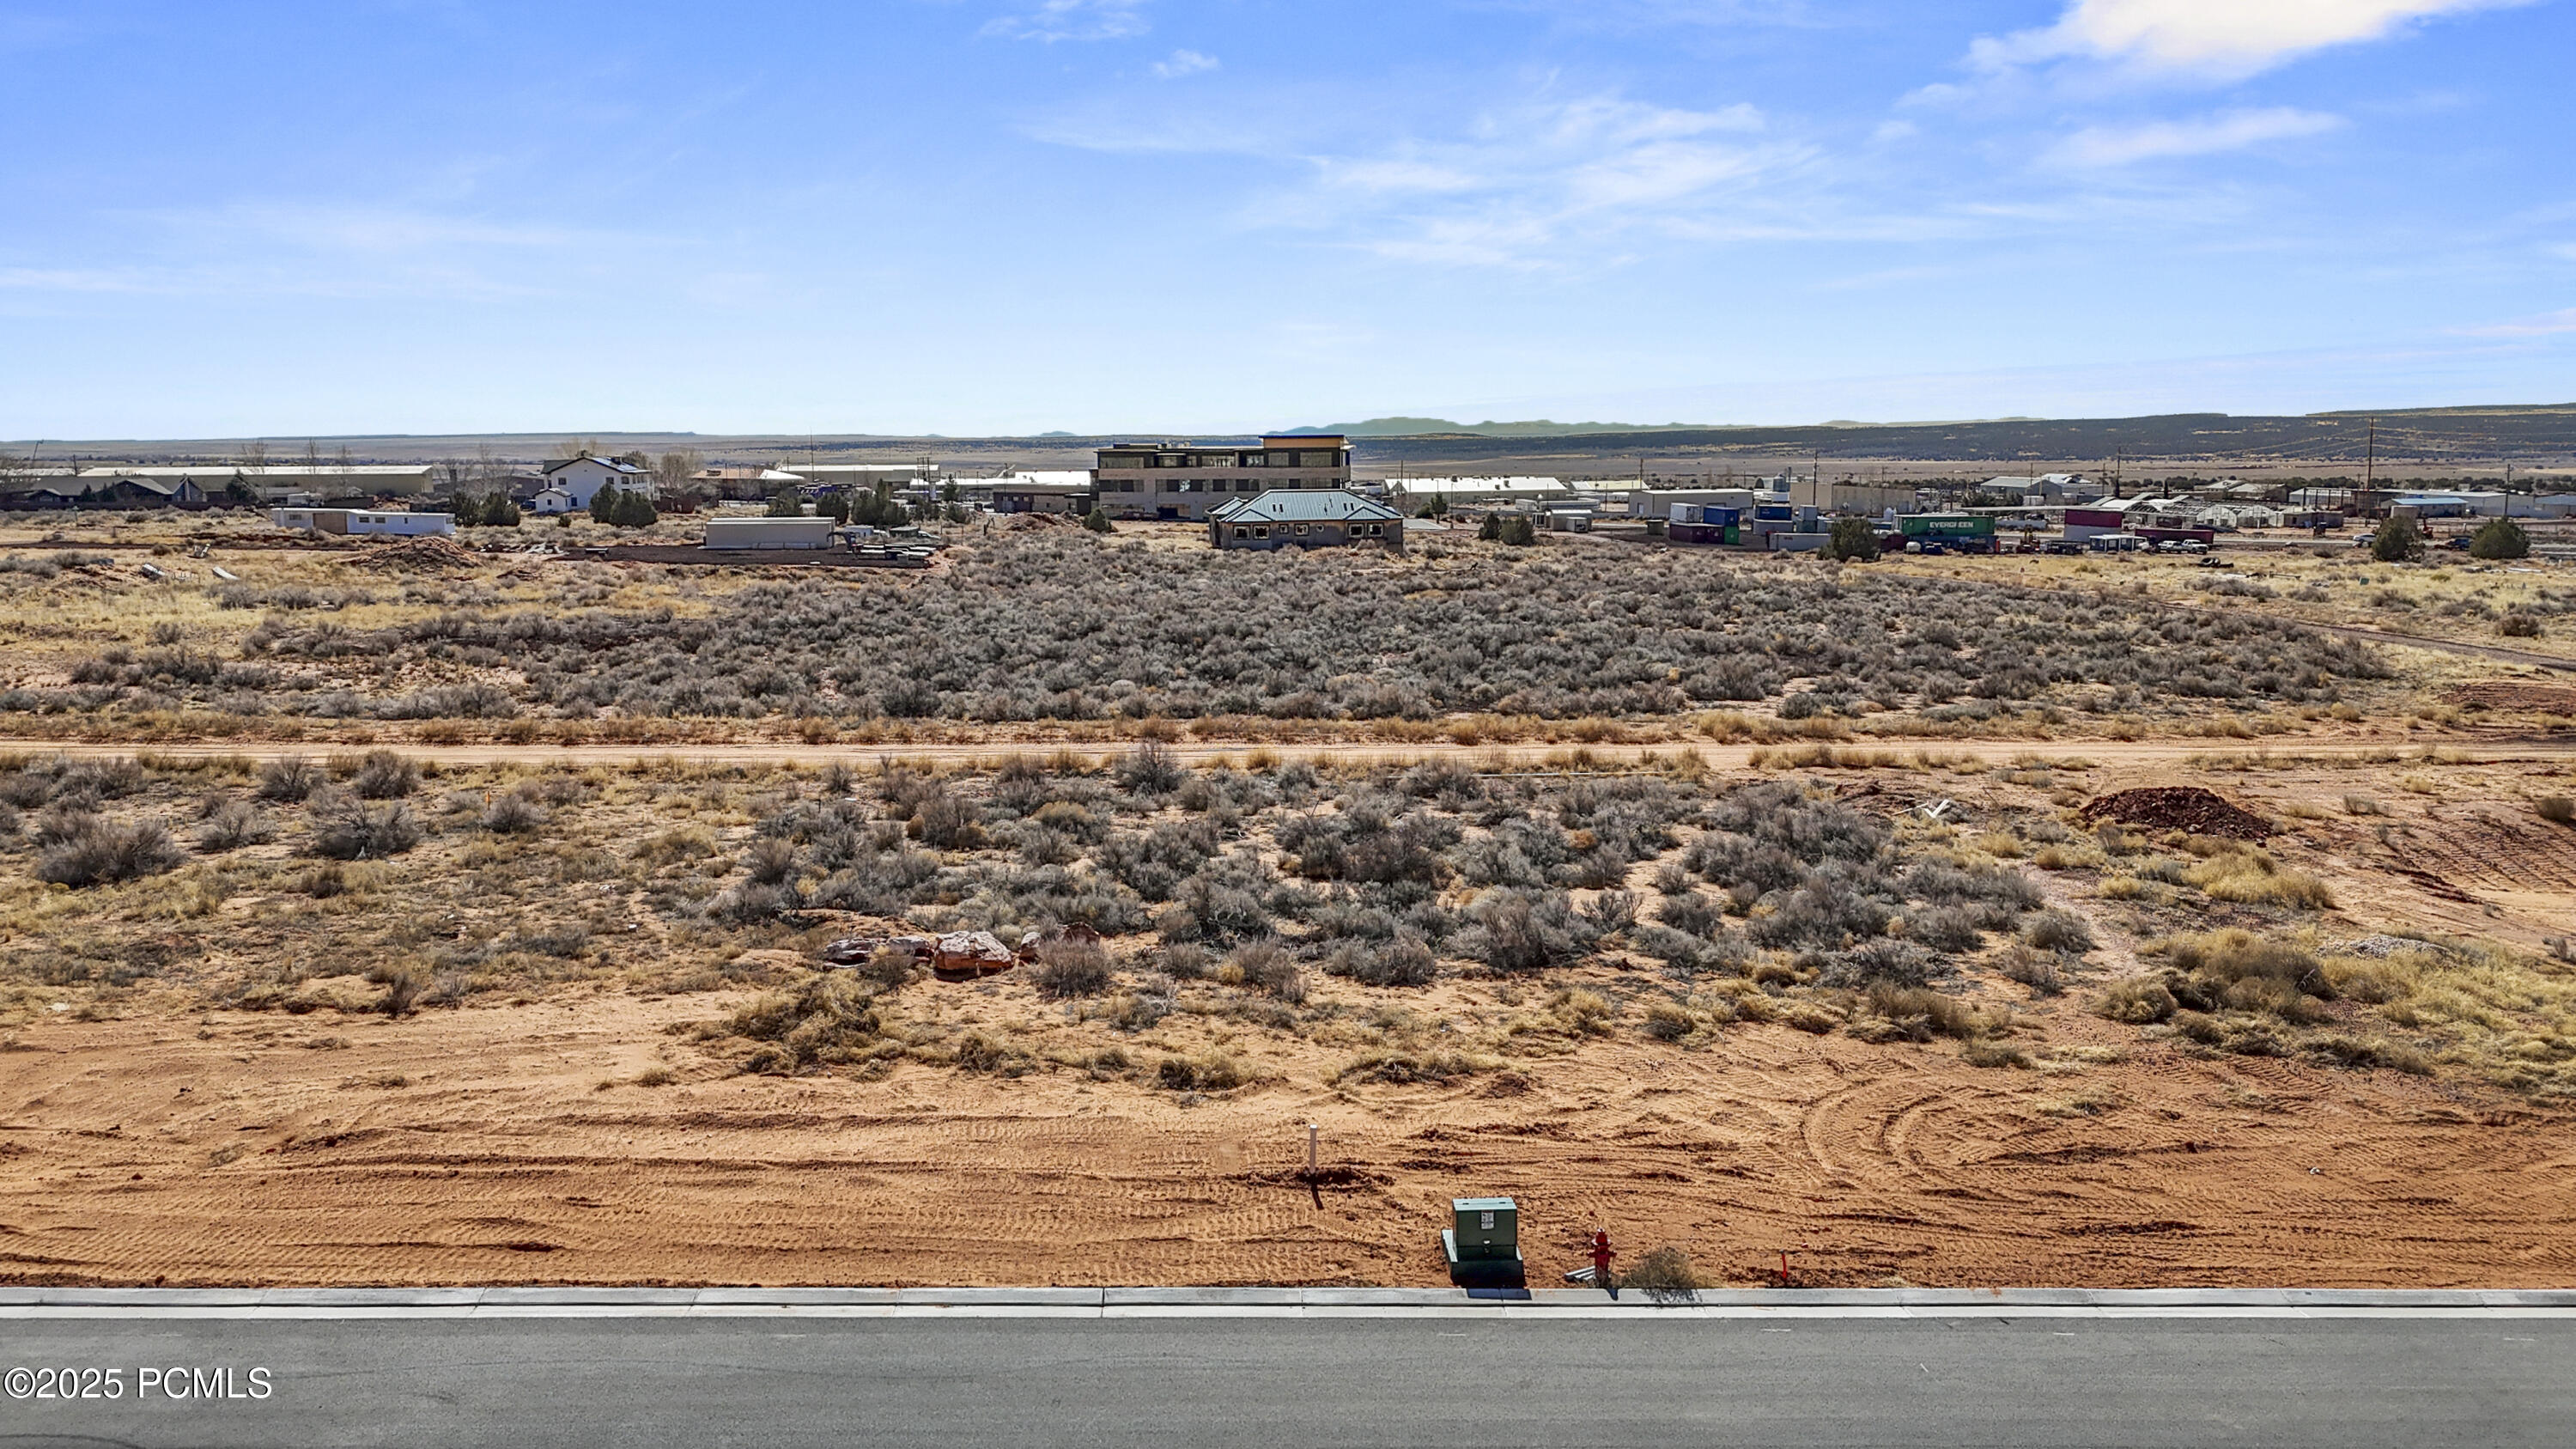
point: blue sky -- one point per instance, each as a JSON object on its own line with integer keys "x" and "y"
{"x": 975, "y": 216}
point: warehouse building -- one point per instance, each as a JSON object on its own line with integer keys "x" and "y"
{"x": 1482, "y": 492}
{"x": 1321, "y": 519}
{"x": 1191, "y": 480}
{"x": 725, "y": 534}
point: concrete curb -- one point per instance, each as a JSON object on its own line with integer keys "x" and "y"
{"x": 19, "y": 1303}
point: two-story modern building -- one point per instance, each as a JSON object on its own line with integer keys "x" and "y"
{"x": 1186, "y": 480}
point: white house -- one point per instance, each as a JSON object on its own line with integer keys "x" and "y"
{"x": 572, "y": 482}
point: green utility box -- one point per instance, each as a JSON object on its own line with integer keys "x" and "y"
{"x": 1484, "y": 1243}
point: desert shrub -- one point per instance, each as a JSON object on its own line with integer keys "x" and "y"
{"x": 826, "y": 1019}
{"x": 1690, "y": 911}
{"x": 1611, "y": 911}
{"x": 288, "y": 780}
{"x": 2355, "y": 1051}
{"x": 2234, "y": 969}
{"x": 770, "y": 861}
{"x": 1267, "y": 967}
{"x": 1514, "y": 931}
{"x": 1665, "y": 1273}
{"x": 1068, "y": 967}
{"x": 889, "y": 967}
{"x": 948, "y": 823}
{"x": 1827, "y": 911}
{"x": 1225, "y": 901}
{"x": 97, "y": 852}
{"x": 749, "y": 903}
{"x": 2137, "y": 1002}
{"x": 2253, "y": 877}
{"x": 2518, "y": 625}
{"x": 512, "y": 813}
{"x": 344, "y": 828}
{"x": 233, "y": 825}
{"x": 402, "y": 983}
{"x": 1401, "y": 960}
{"x": 2058, "y": 930}
{"x": 2037, "y": 970}
{"x": 1879, "y": 962}
{"x": 384, "y": 775}
{"x": 1212, "y": 1072}
{"x": 1945, "y": 928}
{"x": 1183, "y": 961}
{"x": 1375, "y": 839}
{"x": 1920, "y": 1012}
{"x": 1669, "y": 1021}
{"x": 1151, "y": 770}
{"x": 1155, "y": 863}
{"x": 2556, "y": 809}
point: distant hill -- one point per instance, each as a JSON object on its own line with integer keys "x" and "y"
{"x": 2467, "y": 434}
{"x": 1443, "y": 428}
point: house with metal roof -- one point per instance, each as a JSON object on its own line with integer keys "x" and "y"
{"x": 1322, "y": 518}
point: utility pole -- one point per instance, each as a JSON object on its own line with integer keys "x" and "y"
{"x": 2370, "y": 469}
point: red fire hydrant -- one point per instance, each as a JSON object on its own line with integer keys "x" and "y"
{"x": 1601, "y": 1256}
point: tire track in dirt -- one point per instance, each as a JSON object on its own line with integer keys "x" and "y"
{"x": 1863, "y": 1162}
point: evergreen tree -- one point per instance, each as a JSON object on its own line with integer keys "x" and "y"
{"x": 785, "y": 504}
{"x": 1853, "y": 538}
{"x": 1097, "y": 520}
{"x": 2397, "y": 541}
{"x": 2500, "y": 538}
{"x": 633, "y": 510}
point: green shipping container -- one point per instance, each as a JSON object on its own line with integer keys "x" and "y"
{"x": 1947, "y": 525}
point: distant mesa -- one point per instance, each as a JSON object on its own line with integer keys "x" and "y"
{"x": 1400, "y": 427}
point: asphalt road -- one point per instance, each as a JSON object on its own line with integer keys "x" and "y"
{"x": 620, "y": 1381}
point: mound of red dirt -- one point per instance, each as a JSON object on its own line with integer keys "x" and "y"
{"x": 2179, "y": 807}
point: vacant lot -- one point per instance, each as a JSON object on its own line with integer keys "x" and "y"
{"x": 1052, "y": 631}
{"x": 350, "y": 1007}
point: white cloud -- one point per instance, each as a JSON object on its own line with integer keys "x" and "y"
{"x": 2100, "y": 146}
{"x": 2222, "y": 37}
{"x": 1519, "y": 185}
{"x": 1184, "y": 62}
{"x": 1056, "y": 20}
{"x": 2547, "y": 324}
